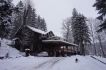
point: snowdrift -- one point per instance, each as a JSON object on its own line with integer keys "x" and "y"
{"x": 7, "y": 51}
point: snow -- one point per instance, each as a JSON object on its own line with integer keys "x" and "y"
{"x": 42, "y": 54}
{"x": 36, "y": 30}
{"x": 58, "y": 41}
{"x": 7, "y": 51}
{"x": 46, "y": 63}
{"x": 100, "y": 58}
{"x": 52, "y": 63}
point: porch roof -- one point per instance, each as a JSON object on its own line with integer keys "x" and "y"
{"x": 58, "y": 42}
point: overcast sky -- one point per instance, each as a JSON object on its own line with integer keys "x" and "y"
{"x": 55, "y": 11}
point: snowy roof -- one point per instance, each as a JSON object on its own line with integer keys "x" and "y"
{"x": 36, "y": 30}
{"x": 59, "y": 42}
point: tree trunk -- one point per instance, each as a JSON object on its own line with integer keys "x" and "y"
{"x": 1, "y": 41}
{"x": 82, "y": 49}
{"x": 93, "y": 39}
{"x": 99, "y": 38}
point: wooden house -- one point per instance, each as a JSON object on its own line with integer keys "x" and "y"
{"x": 48, "y": 42}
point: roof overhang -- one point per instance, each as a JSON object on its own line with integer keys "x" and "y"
{"x": 58, "y": 42}
{"x": 36, "y": 30}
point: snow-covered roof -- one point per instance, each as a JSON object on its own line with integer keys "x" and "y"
{"x": 36, "y": 30}
{"x": 60, "y": 42}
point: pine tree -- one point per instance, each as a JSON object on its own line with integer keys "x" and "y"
{"x": 18, "y": 19}
{"x": 6, "y": 9}
{"x": 34, "y": 23}
{"x": 74, "y": 27}
{"x": 101, "y": 7}
{"x": 31, "y": 18}
{"x": 41, "y": 24}
{"x": 80, "y": 31}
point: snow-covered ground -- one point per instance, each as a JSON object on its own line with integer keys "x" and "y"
{"x": 51, "y": 63}
{"x": 7, "y": 51}
{"x": 18, "y": 62}
{"x": 101, "y": 58}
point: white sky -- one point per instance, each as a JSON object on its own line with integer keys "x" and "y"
{"x": 55, "y": 11}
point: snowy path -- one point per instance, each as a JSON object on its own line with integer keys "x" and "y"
{"x": 52, "y": 63}
{"x": 49, "y": 64}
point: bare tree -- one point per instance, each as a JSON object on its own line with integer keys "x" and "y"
{"x": 91, "y": 23}
{"x": 101, "y": 47}
{"x": 67, "y": 33}
{"x": 98, "y": 38}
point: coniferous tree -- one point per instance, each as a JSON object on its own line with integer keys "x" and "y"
{"x": 101, "y": 7}
{"x": 74, "y": 22}
{"x": 80, "y": 31}
{"x": 31, "y": 18}
{"x": 16, "y": 32}
{"x": 18, "y": 19}
{"x": 6, "y": 9}
{"x": 39, "y": 21}
{"x": 41, "y": 24}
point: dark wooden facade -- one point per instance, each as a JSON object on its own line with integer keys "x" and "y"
{"x": 59, "y": 47}
{"x": 48, "y": 42}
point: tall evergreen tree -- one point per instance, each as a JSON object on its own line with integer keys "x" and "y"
{"x": 80, "y": 31}
{"x": 74, "y": 27}
{"x": 41, "y": 24}
{"x": 18, "y": 18}
{"x": 101, "y": 7}
{"x": 6, "y": 9}
{"x": 31, "y": 18}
